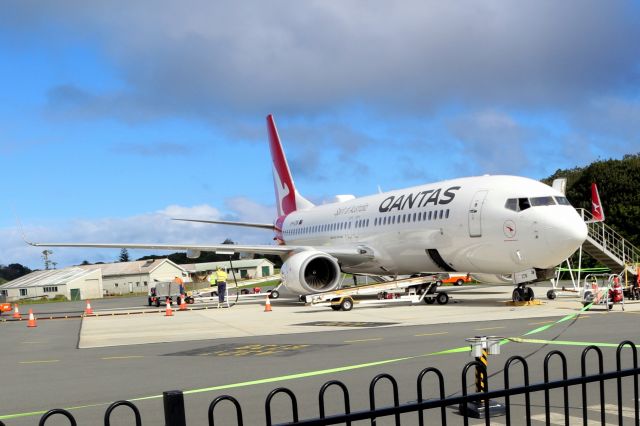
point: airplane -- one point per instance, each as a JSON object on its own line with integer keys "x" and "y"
{"x": 487, "y": 224}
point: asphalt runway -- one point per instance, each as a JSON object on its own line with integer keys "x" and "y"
{"x": 43, "y": 369}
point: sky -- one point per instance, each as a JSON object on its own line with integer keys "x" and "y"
{"x": 116, "y": 116}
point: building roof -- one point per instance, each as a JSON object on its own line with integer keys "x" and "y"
{"x": 47, "y": 278}
{"x": 129, "y": 268}
{"x": 210, "y": 266}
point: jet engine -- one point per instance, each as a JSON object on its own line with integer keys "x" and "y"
{"x": 310, "y": 271}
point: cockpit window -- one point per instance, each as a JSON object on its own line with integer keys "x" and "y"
{"x": 511, "y": 204}
{"x": 523, "y": 204}
{"x": 542, "y": 201}
{"x": 563, "y": 201}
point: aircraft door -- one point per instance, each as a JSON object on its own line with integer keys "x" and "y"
{"x": 475, "y": 213}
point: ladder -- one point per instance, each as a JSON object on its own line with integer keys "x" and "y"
{"x": 608, "y": 247}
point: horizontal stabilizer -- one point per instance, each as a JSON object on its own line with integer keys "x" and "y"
{"x": 224, "y": 222}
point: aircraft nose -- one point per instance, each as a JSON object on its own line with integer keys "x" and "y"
{"x": 567, "y": 233}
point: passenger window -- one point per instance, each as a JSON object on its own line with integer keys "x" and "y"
{"x": 523, "y": 204}
{"x": 511, "y": 204}
{"x": 446, "y": 214}
{"x": 563, "y": 201}
{"x": 542, "y": 201}
{"x": 429, "y": 215}
{"x": 441, "y": 213}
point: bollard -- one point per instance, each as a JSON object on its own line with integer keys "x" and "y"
{"x": 481, "y": 347}
{"x": 174, "y": 408}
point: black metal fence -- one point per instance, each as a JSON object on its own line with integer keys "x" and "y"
{"x": 174, "y": 410}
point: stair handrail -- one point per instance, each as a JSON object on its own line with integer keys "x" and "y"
{"x": 610, "y": 240}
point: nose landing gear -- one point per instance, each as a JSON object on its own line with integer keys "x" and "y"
{"x": 522, "y": 293}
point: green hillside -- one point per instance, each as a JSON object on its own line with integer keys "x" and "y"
{"x": 619, "y": 187}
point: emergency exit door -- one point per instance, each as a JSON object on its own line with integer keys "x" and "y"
{"x": 475, "y": 214}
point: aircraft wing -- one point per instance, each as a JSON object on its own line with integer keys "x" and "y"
{"x": 342, "y": 253}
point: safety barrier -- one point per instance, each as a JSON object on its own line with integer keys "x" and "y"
{"x": 174, "y": 409}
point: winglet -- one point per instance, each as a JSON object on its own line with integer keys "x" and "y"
{"x": 596, "y": 205}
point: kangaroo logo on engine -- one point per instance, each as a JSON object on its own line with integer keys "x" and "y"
{"x": 419, "y": 199}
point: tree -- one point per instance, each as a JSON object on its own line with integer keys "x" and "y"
{"x": 124, "y": 255}
{"x": 13, "y": 271}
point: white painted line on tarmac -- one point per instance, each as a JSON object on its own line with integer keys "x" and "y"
{"x": 39, "y": 361}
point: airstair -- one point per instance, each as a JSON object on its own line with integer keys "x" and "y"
{"x": 608, "y": 247}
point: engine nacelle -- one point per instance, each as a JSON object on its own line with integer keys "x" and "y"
{"x": 311, "y": 271}
{"x": 193, "y": 254}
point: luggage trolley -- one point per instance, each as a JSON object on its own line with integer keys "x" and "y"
{"x": 602, "y": 289}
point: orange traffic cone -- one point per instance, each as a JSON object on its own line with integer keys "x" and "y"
{"x": 267, "y": 305}
{"x": 183, "y": 304}
{"x": 32, "y": 320}
{"x": 16, "y": 312}
{"x": 88, "y": 310}
{"x": 169, "y": 311}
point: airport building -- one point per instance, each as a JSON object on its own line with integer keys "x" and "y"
{"x": 73, "y": 283}
{"x": 244, "y": 269}
{"x": 137, "y": 276}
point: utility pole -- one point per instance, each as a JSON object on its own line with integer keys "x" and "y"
{"x": 47, "y": 262}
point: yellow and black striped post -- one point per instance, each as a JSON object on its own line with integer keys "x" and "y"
{"x": 479, "y": 373}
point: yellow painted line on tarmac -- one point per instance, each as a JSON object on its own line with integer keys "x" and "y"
{"x": 123, "y": 357}
{"x": 363, "y": 340}
{"x": 431, "y": 334}
{"x": 488, "y": 328}
{"x": 540, "y": 323}
{"x": 39, "y": 361}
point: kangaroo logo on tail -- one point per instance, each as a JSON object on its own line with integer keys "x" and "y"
{"x": 288, "y": 199}
{"x": 596, "y": 204}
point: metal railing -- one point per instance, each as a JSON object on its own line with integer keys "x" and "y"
{"x": 175, "y": 411}
{"x": 609, "y": 241}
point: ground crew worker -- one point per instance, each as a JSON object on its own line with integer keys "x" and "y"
{"x": 178, "y": 280}
{"x": 220, "y": 277}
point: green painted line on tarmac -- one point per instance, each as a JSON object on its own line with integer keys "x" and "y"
{"x": 561, "y": 320}
{"x": 566, "y": 342}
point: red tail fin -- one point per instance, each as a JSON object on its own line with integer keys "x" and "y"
{"x": 596, "y": 204}
{"x": 287, "y": 198}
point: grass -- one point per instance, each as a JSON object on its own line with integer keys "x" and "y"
{"x": 59, "y": 298}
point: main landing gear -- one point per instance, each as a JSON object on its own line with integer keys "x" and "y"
{"x": 522, "y": 293}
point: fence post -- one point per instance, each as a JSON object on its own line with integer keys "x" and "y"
{"x": 174, "y": 408}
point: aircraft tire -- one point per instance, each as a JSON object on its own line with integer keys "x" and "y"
{"x": 551, "y": 295}
{"x": 528, "y": 294}
{"x": 429, "y": 300}
{"x": 335, "y": 307}
{"x": 346, "y": 304}
{"x": 517, "y": 295}
{"x": 274, "y": 294}
{"x": 442, "y": 298}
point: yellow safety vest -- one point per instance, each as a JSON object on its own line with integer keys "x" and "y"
{"x": 221, "y": 276}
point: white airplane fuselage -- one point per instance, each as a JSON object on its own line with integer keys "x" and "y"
{"x": 455, "y": 225}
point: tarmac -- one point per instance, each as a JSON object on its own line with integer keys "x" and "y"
{"x": 477, "y": 303}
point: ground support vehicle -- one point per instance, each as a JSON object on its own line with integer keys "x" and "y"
{"x": 5, "y": 307}
{"x": 601, "y": 289}
{"x": 210, "y": 295}
{"x": 413, "y": 290}
{"x": 164, "y": 291}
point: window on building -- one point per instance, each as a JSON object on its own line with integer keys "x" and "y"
{"x": 4, "y": 292}
{"x": 116, "y": 284}
{"x": 23, "y": 292}
{"x": 145, "y": 284}
{"x": 50, "y": 289}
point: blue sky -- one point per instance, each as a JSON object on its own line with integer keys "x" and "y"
{"x": 116, "y": 116}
